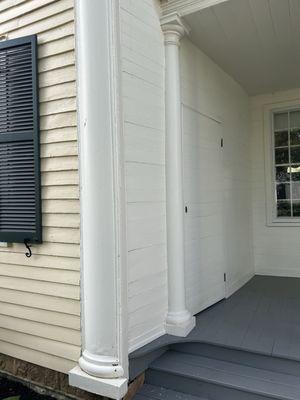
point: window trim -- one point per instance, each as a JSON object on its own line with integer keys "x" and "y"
{"x": 269, "y": 153}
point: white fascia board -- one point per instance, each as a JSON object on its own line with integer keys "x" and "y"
{"x": 186, "y": 7}
{"x": 111, "y": 388}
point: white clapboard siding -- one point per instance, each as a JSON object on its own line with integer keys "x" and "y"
{"x": 39, "y": 301}
{"x": 7, "y": 4}
{"x": 42, "y": 274}
{"x": 66, "y": 134}
{"x": 42, "y": 316}
{"x": 60, "y": 178}
{"x": 57, "y": 77}
{"x": 55, "y": 92}
{"x": 39, "y": 296}
{"x": 64, "y": 206}
{"x": 48, "y": 249}
{"x": 36, "y": 356}
{"x": 41, "y": 261}
{"x": 143, "y": 105}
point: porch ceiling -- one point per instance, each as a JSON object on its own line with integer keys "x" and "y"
{"x": 254, "y": 41}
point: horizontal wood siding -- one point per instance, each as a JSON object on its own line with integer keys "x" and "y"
{"x": 39, "y": 297}
{"x": 143, "y": 104}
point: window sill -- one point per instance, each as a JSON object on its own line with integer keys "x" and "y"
{"x": 284, "y": 222}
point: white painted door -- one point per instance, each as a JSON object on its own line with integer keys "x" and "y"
{"x": 203, "y": 194}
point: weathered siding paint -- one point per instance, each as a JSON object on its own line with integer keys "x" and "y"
{"x": 143, "y": 107}
{"x": 209, "y": 90}
{"x": 39, "y": 297}
{"x": 276, "y": 248}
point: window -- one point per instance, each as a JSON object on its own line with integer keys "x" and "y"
{"x": 286, "y": 140}
{"x": 20, "y": 203}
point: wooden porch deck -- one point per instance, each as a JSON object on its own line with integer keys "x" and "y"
{"x": 262, "y": 317}
{"x": 245, "y": 347}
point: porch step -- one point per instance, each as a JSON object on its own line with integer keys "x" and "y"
{"x": 239, "y": 356}
{"x": 150, "y": 392}
{"x": 220, "y": 380}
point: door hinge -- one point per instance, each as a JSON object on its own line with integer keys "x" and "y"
{"x": 225, "y": 277}
{"x": 185, "y": 209}
{"x": 222, "y": 142}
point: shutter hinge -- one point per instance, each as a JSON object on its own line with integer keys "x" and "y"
{"x": 225, "y": 277}
{"x": 222, "y": 142}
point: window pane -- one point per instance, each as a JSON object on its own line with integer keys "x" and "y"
{"x": 296, "y": 190}
{"x": 283, "y": 191}
{"x": 296, "y": 209}
{"x": 295, "y": 154}
{"x": 295, "y": 119}
{"x": 281, "y": 139}
{"x": 282, "y": 174}
{"x": 283, "y": 209}
{"x": 295, "y": 172}
{"x": 295, "y": 137}
{"x": 282, "y": 156}
{"x": 280, "y": 121}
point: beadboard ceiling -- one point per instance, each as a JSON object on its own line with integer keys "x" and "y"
{"x": 257, "y": 42}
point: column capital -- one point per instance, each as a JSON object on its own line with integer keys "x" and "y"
{"x": 174, "y": 28}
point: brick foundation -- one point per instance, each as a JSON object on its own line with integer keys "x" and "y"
{"x": 42, "y": 380}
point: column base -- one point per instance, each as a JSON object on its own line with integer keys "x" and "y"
{"x": 180, "y": 323}
{"x": 100, "y": 366}
{"x": 109, "y": 388}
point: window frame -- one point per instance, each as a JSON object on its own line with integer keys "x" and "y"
{"x": 269, "y": 153}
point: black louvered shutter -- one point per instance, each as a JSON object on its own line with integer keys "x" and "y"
{"x": 20, "y": 200}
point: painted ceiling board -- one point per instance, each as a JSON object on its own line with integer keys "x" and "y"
{"x": 254, "y": 41}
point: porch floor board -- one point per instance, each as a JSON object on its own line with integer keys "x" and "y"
{"x": 262, "y": 317}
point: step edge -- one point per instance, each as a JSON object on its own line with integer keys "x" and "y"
{"x": 223, "y": 384}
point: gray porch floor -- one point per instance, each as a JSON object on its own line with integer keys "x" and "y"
{"x": 262, "y": 317}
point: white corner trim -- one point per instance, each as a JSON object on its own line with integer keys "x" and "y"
{"x": 186, "y": 7}
{"x": 112, "y": 388}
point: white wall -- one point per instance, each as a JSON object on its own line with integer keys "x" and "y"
{"x": 206, "y": 88}
{"x": 143, "y": 103}
{"x": 209, "y": 89}
{"x": 276, "y": 249}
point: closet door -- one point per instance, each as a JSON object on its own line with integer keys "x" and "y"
{"x": 203, "y": 194}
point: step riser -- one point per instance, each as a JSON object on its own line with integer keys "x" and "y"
{"x": 140, "y": 364}
{"x": 199, "y": 388}
{"x": 270, "y": 363}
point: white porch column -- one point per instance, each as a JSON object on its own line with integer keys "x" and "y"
{"x": 103, "y": 363}
{"x": 179, "y": 321}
